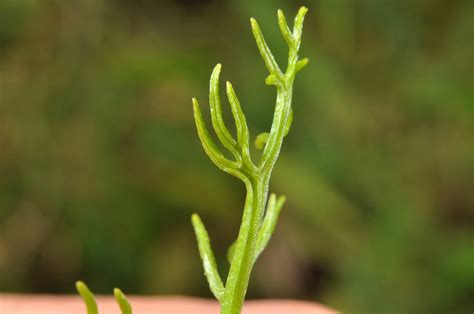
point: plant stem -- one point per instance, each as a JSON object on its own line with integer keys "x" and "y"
{"x": 243, "y": 260}
{"x": 257, "y": 193}
{"x": 243, "y": 253}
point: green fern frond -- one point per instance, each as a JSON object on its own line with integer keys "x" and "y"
{"x": 258, "y": 224}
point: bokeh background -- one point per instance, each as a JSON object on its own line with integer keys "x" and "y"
{"x": 101, "y": 167}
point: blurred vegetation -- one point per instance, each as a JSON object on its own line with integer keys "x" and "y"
{"x": 101, "y": 167}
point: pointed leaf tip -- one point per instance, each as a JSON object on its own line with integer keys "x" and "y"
{"x": 303, "y": 10}
{"x": 301, "y": 64}
{"x": 265, "y": 52}
{"x": 229, "y": 88}
{"x": 195, "y": 102}
{"x": 272, "y": 213}
{"x": 271, "y": 80}
{"x": 231, "y": 251}
{"x": 240, "y": 123}
{"x": 261, "y": 140}
{"x": 298, "y": 26}
{"x": 122, "y": 301}
{"x": 216, "y": 71}
{"x": 88, "y": 297}
{"x": 82, "y": 288}
{"x": 285, "y": 30}
{"x": 218, "y": 123}
{"x": 208, "y": 259}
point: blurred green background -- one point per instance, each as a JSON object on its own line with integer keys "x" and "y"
{"x": 101, "y": 167}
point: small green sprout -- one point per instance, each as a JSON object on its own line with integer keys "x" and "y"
{"x": 125, "y": 307}
{"x": 88, "y": 298}
{"x": 91, "y": 305}
{"x": 258, "y": 224}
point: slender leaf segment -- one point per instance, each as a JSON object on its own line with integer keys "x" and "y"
{"x": 258, "y": 223}
{"x": 88, "y": 298}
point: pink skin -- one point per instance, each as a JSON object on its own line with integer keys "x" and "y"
{"x": 46, "y": 304}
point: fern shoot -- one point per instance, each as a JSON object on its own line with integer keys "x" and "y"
{"x": 259, "y": 216}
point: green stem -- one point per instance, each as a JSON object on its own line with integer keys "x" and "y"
{"x": 257, "y": 193}
{"x": 243, "y": 254}
{"x": 244, "y": 258}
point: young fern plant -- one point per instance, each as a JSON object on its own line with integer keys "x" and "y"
{"x": 258, "y": 223}
{"x": 91, "y": 305}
